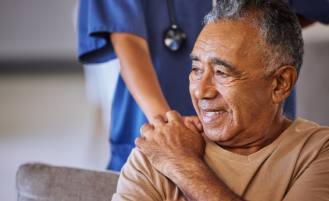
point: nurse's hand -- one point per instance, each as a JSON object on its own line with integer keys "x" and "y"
{"x": 172, "y": 146}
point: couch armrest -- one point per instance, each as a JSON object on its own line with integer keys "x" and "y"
{"x": 36, "y": 181}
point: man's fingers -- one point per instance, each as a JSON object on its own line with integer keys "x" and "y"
{"x": 158, "y": 120}
{"x": 196, "y": 121}
{"x": 139, "y": 142}
{"x": 146, "y": 130}
{"x": 193, "y": 120}
{"x": 173, "y": 116}
{"x": 190, "y": 125}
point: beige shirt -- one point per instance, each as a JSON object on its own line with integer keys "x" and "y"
{"x": 294, "y": 167}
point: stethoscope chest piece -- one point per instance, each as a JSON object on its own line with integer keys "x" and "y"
{"x": 174, "y": 38}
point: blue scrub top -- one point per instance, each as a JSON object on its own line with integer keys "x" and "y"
{"x": 148, "y": 19}
{"x": 315, "y": 10}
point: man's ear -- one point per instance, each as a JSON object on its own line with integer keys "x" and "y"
{"x": 284, "y": 79}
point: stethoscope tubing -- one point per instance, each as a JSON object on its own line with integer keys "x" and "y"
{"x": 171, "y": 14}
{"x": 174, "y": 38}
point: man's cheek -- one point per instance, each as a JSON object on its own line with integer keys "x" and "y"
{"x": 192, "y": 88}
{"x": 196, "y": 107}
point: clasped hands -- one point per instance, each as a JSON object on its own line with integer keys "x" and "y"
{"x": 172, "y": 145}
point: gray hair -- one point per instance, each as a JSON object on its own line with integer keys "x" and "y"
{"x": 279, "y": 29}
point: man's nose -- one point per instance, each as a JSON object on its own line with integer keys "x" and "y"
{"x": 206, "y": 88}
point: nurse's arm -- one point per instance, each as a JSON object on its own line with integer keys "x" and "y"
{"x": 139, "y": 74}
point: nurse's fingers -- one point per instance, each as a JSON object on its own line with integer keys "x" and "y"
{"x": 174, "y": 116}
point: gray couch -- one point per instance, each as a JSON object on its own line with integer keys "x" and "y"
{"x": 36, "y": 181}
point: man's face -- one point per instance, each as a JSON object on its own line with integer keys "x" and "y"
{"x": 233, "y": 102}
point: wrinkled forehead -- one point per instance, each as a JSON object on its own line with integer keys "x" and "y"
{"x": 227, "y": 37}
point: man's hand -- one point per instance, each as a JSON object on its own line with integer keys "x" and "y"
{"x": 171, "y": 145}
{"x": 195, "y": 121}
{"x": 175, "y": 148}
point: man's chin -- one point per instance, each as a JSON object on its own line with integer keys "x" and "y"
{"x": 216, "y": 134}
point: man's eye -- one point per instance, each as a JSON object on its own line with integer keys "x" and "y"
{"x": 221, "y": 73}
{"x": 196, "y": 70}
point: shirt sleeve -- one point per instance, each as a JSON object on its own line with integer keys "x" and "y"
{"x": 140, "y": 181}
{"x": 97, "y": 18}
{"x": 313, "y": 183}
{"x": 316, "y": 10}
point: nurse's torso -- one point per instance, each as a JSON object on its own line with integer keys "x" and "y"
{"x": 172, "y": 68}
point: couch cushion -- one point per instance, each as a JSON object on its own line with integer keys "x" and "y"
{"x": 36, "y": 181}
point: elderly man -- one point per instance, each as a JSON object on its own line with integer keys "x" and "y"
{"x": 245, "y": 63}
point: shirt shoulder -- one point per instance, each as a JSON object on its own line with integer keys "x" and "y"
{"x": 140, "y": 181}
{"x": 311, "y": 135}
{"x": 310, "y": 178}
{"x": 306, "y": 141}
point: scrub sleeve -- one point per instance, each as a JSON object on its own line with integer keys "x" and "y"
{"x": 97, "y": 18}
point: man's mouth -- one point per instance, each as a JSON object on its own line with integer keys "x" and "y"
{"x": 209, "y": 116}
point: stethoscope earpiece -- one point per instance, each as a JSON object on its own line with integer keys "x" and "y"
{"x": 174, "y": 38}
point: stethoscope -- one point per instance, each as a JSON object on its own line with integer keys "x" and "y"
{"x": 174, "y": 38}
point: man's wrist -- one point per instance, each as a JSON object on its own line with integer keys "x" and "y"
{"x": 197, "y": 181}
{"x": 186, "y": 170}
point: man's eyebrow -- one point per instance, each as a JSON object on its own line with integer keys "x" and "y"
{"x": 194, "y": 58}
{"x": 223, "y": 63}
{"x": 217, "y": 61}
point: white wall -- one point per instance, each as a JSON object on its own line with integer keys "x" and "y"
{"x": 313, "y": 83}
{"x": 35, "y": 29}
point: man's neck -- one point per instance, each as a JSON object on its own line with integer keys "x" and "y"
{"x": 280, "y": 124}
